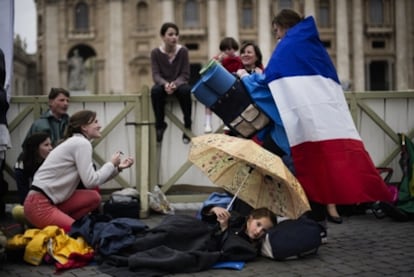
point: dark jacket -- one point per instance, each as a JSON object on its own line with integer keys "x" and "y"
{"x": 49, "y": 124}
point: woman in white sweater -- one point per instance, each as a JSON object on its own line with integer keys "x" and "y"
{"x": 54, "y": 197}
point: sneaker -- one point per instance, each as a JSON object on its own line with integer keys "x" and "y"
{"x": 186, "y": 139}
{"x": 208, "y": 128}
{"x": 160, "y": 133}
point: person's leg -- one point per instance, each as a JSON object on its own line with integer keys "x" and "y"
{"x": 82, "y": 202}
{"x": 40, "y": 212}
{"x": 333, "y": 214}
{"x": 207, "y": 117}
{"x": 158, "y": 96}
{"x": 183, "y": 94}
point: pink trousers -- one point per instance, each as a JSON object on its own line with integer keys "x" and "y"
{"x": 40, "y": 212}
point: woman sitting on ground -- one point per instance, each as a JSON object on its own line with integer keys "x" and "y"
{"x": 53, "y": 198}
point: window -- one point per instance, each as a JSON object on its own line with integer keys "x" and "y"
{"x": 376, "y": 12}
{"x": 142, "y": 15}
{"x": 81, "y": 17}
{"x": 378, "y": 44}
{"x": 324, "y": 18}
{"x": 379, "y": 72}
{"x": 247, "y": 14}
{"x": 191, "y": 14}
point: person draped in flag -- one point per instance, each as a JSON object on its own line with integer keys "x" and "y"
{"x": 329, "y": 157}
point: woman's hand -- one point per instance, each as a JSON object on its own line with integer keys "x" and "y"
{"x": 170, "y": 88}
{"x": 223, "y": 216}
{"x": 126, "y": 163}
{"x": 242, "y": 73}
{"x": 116, "y": 158}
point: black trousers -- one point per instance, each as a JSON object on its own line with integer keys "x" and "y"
{"x": 158, "y": 96}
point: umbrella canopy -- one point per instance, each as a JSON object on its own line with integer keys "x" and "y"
{"x": 257, "y": 176}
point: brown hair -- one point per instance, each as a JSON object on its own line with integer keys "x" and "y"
{"x": 263, "y": 212}
{"x": 287, "y": 18}
{"x": 77, "y": 120}
{"x": 54, "y": 92}
{"x": 228, "y": 43}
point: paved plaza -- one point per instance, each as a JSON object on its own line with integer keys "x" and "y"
{"x": 362, "y": 246}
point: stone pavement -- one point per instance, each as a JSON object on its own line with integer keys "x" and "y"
{"x": 361, "y": 246}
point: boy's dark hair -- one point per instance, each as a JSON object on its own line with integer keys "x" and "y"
{"x": 287, "y": 18}
{"x": 228, "y": 43}
{"x": 54, "y": 92}
{"x": 167, "y": 25}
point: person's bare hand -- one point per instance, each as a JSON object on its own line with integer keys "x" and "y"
{"x": 126, "y": 163}
{"x": 116, "y": 158}
{"x": 223, "y": 216}
{"x": 170, "y": 88}
{"x": 242, "y": 73}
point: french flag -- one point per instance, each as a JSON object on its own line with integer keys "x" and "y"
{"x": 329, "y": 156}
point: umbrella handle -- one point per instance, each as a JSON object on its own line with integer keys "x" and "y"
{"x": 238, "y": 190}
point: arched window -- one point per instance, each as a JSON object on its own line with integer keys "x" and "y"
{"x": 81, "y": 16}
{"x": 191, "y": 14}
{"x": 142, "y": 15}
{"x": 247, "y": 14}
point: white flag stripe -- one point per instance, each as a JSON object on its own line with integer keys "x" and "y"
{"x": 316, "y": 113}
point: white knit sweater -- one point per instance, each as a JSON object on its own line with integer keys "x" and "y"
{"x": 67, "y": 164}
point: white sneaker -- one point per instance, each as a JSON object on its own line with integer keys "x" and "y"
{"x": 208, "y": 128}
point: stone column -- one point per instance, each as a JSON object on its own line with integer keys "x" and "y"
{"x": 115, "y": 60}
{"x": 167, "y": 11}
{"x": 342, "y": 43}
{"x": 264, "y": 29}
{"x": 232, "y": 26}
{"x": 309, "y": 8}
{"x": 401, "y": 31}
{"x": 213, "y": 28}
{"x": 51, "y": 47}
{"x": 358, "y": 63}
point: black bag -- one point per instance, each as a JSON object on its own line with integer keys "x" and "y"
{"x": 292, "y": 239}
{"x": 122, "y": 206}
{"x": 239, "y": 112}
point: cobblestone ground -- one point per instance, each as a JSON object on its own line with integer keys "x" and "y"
{"x": 362, "y": 246}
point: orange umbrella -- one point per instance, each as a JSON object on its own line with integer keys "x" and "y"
{"x": 250, "y": 172}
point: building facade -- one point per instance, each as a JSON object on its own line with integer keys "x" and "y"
{"x": 24, "y": 70}
{"x": 108, "y": 42}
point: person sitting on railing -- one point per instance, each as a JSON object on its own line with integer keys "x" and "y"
{"x": 170, "y": 72}
{"x": 54, "y": 197}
